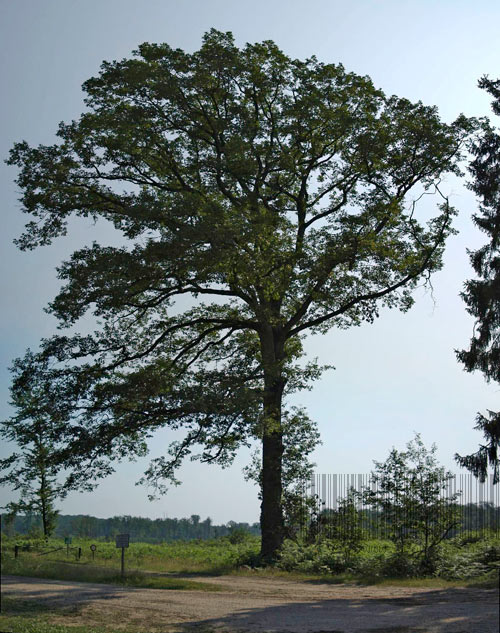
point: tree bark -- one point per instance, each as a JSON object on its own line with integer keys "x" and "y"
{"x": 43, "y": 485}
{"x": 43, "y": 506}
{"x": 271, "y": 517}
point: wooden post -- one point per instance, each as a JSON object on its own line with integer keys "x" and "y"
{"x": 16, "y": 551}
{"x": 122, "y": 541}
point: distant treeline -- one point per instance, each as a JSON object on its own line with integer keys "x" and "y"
{"x": 140, "y": 529}
{"x": 479, "y": 516}
{"x": 475, "y": 517}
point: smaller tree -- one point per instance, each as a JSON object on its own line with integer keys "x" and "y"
{"x": 342, "y": 526}
{"x": 33, "y": 470}
{"x": 410, "y": 490}
{"x": 32, "y": 477}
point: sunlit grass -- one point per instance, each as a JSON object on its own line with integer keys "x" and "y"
{"x": 485, "y": 582}
{"x": 30, "y": 565}
{"x": 28, "y": 616}
{"x": 155, "y": 565}
{"x": 42, "y": 624}
{"x": 215, "y": 556}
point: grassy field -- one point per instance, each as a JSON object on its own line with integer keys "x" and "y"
{"x": 181, "y": 557}
{"x": 154, "y": 565}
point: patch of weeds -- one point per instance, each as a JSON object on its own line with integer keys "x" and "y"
{"x": 16, "y": 606}
{"x": 28, "y": 616}
{"x": 430, "y": 582}
{"x": 40, "y": 624}
{"x": 148, "y": 581}
{"x": 86, "y": 573}
{"x": 395, "y": 629}
{"x": 487, "y": 581}
{"x": 329, "y": 631}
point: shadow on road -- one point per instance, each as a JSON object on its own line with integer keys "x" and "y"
{"x": 436, "y": 611}
{"x": 452, "y": 610}
{"x": 63, "y": 592}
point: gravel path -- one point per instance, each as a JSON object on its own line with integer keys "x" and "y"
{"x": 264, "y": 605}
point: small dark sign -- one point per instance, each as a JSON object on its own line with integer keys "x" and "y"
{"x": 67, "y": 540}
{"x": 93, "y": 548}
{"x": 122, "y": 540}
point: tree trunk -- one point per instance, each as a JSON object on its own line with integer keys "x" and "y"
{"x": 271, "y": 516}
{"x": 43, "y": 501}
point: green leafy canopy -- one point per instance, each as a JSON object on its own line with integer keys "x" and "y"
{"x": 260, "y": 197}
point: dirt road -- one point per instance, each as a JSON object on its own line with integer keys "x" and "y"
{"x": 258, "y": 605}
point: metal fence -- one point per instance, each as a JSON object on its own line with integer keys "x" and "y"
{"x": 478, "y": 504}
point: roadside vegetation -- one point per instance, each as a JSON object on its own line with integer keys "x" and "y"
{"x": 472, "y": 559}
{"x": 24, "y": 616}
{"x": 53, "y": 559}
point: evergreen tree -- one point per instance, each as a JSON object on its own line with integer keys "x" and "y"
{"x": 482, "y": 295}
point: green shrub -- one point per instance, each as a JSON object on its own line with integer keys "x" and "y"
{"x": 402, "y": 565}
{"x": 490, "y": 554}
{"x": 373, "y": 566}
{"x": 475, "y": 562}
{"x": 461, "y": 566}
{"x": 468, "y": 537}
{"x": 343, "y": 526}
{"x": 238, "y": 535}
{"x": 325, "y": 556}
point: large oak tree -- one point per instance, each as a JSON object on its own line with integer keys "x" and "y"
{"x": 260, "y": 198}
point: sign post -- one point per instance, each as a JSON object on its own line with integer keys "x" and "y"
{"x": 93, "y": 548}
{"x": 122, "y": 540}
{"x": 67, "y": 542}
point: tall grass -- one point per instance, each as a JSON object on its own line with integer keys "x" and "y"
{"x": 146, "y": 564}
{"x": 189, "y": 557}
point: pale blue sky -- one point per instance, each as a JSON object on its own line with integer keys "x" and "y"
{"x": 391, "y": 378}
